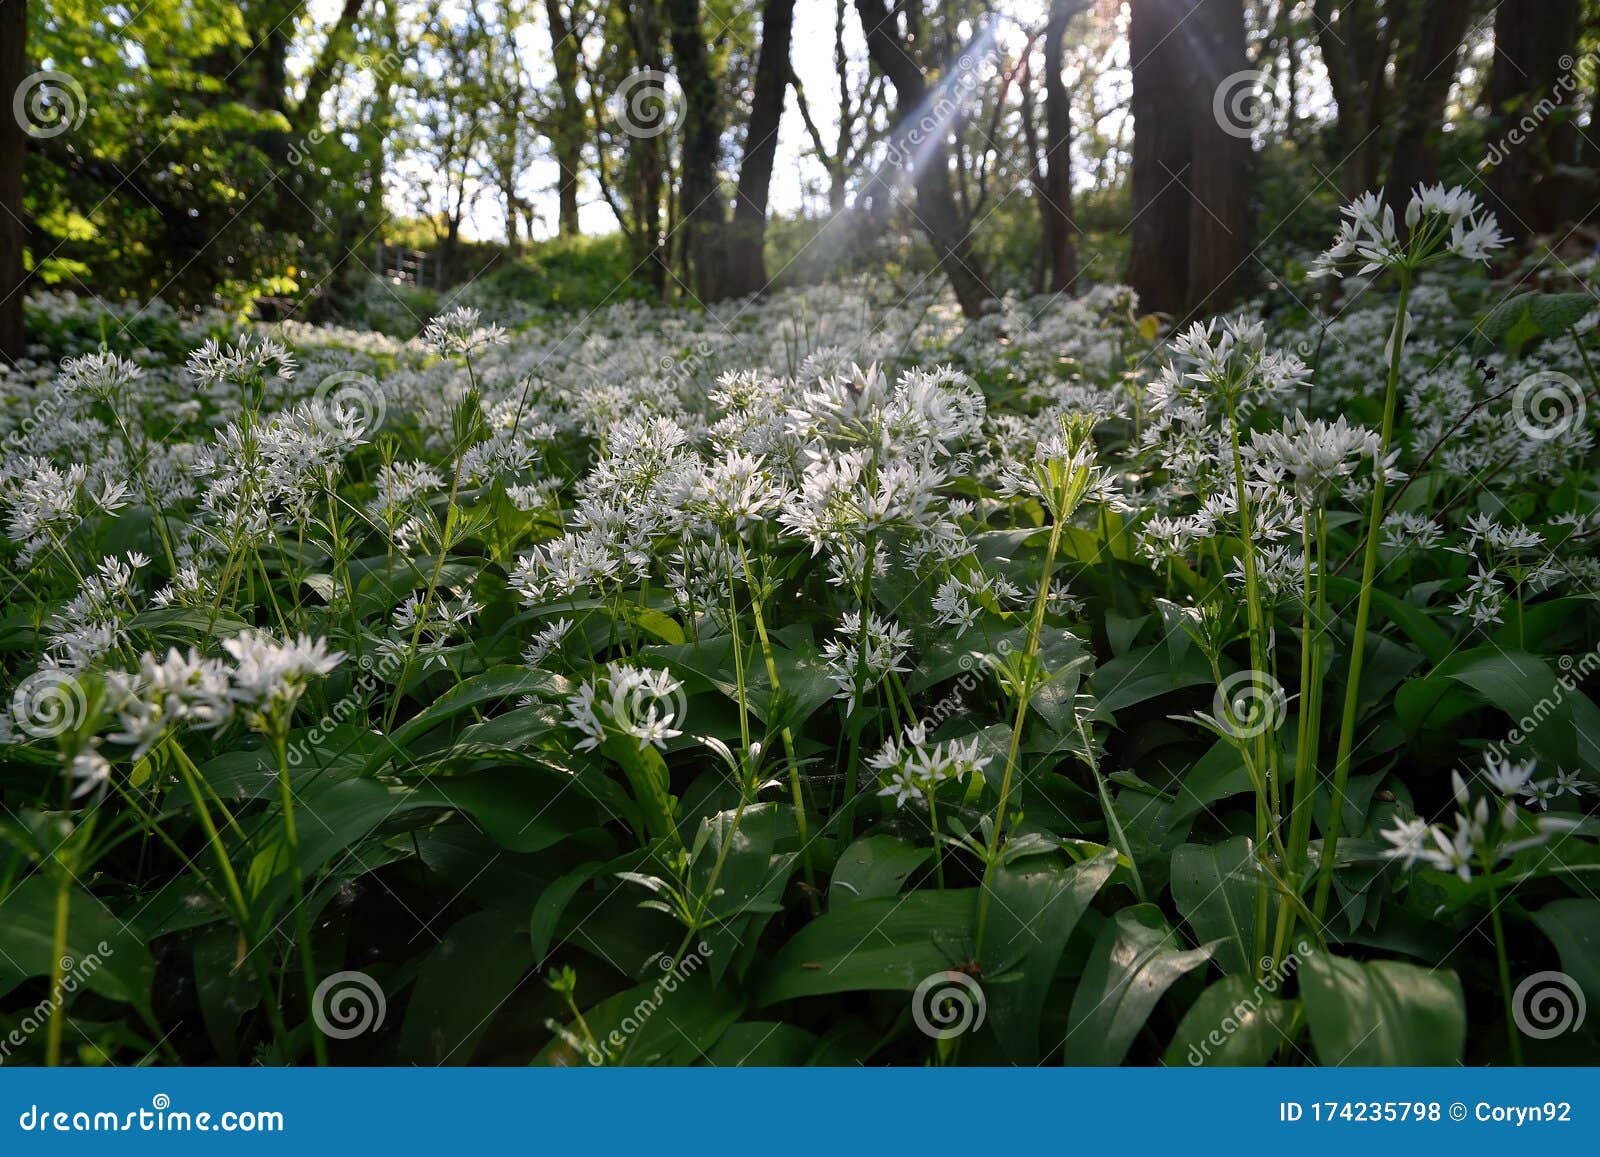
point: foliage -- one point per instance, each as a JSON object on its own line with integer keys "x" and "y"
{"x": 818, "y": 679}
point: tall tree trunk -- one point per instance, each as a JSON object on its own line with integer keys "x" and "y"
{"x": 701, "y": 217}
{"x": 567, "y": 128}
{"x": 1158, "y": 264}
{"x": 1222, "y": 165}
{"x": 1427, "y": 64}
{"x": 746, "y": 269}
{"x": 13, "y": 152}
{"x": 1055, "y": 197}
{"x": 937, "y": 212}
{"x": 1355, "y": 37}
{"x": 1532, "y": 96}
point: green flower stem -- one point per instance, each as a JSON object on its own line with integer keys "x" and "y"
{"x": 1024, "y": 694}
{"x": 319, "y": 1046}
{"x": 1513, "y": 1034}
{"x": 1358, "y": 645}
{"x": 786, "y": 734}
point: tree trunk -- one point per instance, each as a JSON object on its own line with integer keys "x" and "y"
{"x": 1055, "y": 196}
{"x": 567, "y": 134}
{"x": 1158, "y": 264}
{"x": 1531, "y": 93}
{"x": 937, "y": 213}
{"x": 1222, "y": 165}
{"x": 13, "y": 152}
{"x": 1355, "y": 39}
{"x": 1428, "y": 61}
{"x": 746, "y": 268}
{"x": 701, "y": 217}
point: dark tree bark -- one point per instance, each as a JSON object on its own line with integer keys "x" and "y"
{"x": 937, "y": 213}
{"x": 1222, "y": 165}
{"x": 1356, "y": 37}
{"x": 1427, "y": 64}
{"x": 1158, "y": 265}
{"x": 1532, "y": 94}
{"x": 746, "y": 268}
{"x": 13, "y": 153}
{"x": 1193, "y": 179}
{"x": 567, "y": 128}
{"x": 323, "y": 71}
{"x": 701, "y": 215}
{"x": 1055, "y": 195}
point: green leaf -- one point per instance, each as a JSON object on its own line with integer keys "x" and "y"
{"x": 524, "y": 809}
{"x": 1035, "y": 908}
{"x": 1573, "y": 926}
{"x": 874, "y": 867}
{"x": 889, "y": 944}
{"x": 1134, "y": 962}
{"x": 1236, "y": 1021}
{"x": 105, "y": 954}
{"x": 674, "y": 1019}
{"x": 494, "y": 685}
{"x": 1214, "y": 888}
{"x": 762, "y": 1044}
{"x": 1382, "y": 1013}
{"x": 462, "y": 984}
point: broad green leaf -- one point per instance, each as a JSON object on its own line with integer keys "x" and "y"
{"x": 1035, "y": 908}
{"x": 103, "y": 954}
{"x": 762, "y": 1044}
{"x": 463, "y": 982}
{"x": 1237, "y": 1021}
{"x": 498, "y": 684}
{"x": 887, "y": 944}
{"x": 1136, "y": 959}
{"x": 1573, "y": 926}
{"x": 1382, "y": 1013}
{"x": 874, "y": 867}
{"x": 675, "y": 1018}
{"x": 1214, "y": 887}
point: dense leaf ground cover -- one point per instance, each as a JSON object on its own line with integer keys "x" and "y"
{"x": 812, "y": 680}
